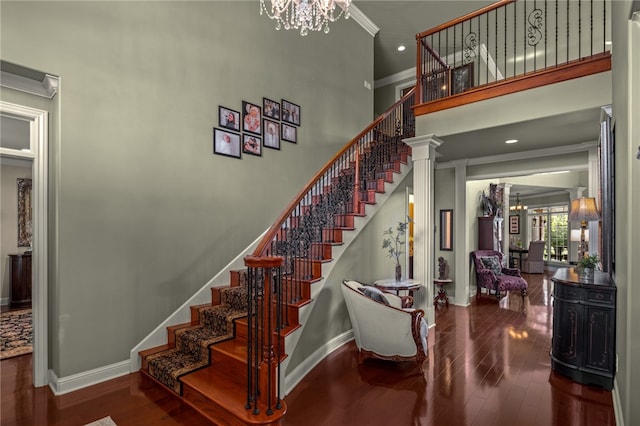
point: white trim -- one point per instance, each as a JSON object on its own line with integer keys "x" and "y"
{"x": 4, "y": 301}
{"x": 617, "y": 404}
{"x": 364, "y": 21}
{"x": 299, "y": 373}
{"x": 61, "y": 385}
{"x": 39, "y": 140}
{"x": 524, "y": 155}
{"x": 395, "y": 78}
{"x": 46, "y": 88}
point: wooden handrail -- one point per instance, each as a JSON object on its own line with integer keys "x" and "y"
{"x": 466, "y": 17}
{"x": 271, "y": 234}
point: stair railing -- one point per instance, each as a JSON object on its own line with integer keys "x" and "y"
{"x": 509, "y": 40}
{"x": 290, "y": 255}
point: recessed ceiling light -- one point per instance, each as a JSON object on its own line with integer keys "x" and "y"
{"x": 511, "y": 141}
{"x": 401, "y": 48}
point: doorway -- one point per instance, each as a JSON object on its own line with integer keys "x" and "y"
{"x": 36, "y": 152}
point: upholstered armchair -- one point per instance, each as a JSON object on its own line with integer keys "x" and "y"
{"x": 492, "y": 275}
{"x": 382, "y": 327}
{"x": 534, "y": 262}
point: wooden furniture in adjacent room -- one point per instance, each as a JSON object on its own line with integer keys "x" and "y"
{"x": 20, "y": 296}
{"x": 584, "y": 328}
{"x": 513, "y": 261}
{"x": 489, "y": 233}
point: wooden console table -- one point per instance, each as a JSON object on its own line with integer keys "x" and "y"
{"x": 20, "y": 296}
{"x": 584, "y": 328}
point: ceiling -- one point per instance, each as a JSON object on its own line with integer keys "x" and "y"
{"x": 400, "y": 21}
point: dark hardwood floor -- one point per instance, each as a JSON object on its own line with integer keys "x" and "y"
{"x": 488, "y": 365}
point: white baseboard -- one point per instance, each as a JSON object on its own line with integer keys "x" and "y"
{"x": 4, "y": 301}
{"x": 62, "y": 385}
{"x": 292, "y": 379}
{"x": 617, "y": 404}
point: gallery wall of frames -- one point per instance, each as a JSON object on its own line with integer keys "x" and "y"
{"x": 255, "y": 127}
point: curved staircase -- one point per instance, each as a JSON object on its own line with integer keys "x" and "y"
{"x": 224, "y": 362}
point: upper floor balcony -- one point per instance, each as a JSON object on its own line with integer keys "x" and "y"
{"x": 508, "y": 47}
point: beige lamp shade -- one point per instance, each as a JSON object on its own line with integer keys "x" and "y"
{"x": 584, "y": 209}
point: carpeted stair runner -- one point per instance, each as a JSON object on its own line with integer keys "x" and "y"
{"x": 191, "y": 351}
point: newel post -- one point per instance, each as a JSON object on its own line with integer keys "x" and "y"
{"x": 263, "y": 345}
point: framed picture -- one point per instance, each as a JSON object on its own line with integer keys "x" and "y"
{"x": 271, "y": 137}
{"x": 461, "y": 78}
{"x": 252, "y": 145}
{"x": 226, "y": 143}
{"x": 514, "y": 224}
{"x": 251, "y": 117}
{"x": 290, "y": 113}
{"x": 229, "y": 119}
{"x": 289, "y": 133}
{"x": 271, "y": 109}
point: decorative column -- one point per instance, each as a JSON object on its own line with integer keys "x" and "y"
{"x": 505, "y": 224}
{"x": 423, "y": 156}
{"x": 460, "y": 244}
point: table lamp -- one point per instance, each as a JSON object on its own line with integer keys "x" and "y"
{"x": 583, "y": 210}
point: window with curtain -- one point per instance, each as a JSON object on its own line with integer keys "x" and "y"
{"x": 550, "y": 224}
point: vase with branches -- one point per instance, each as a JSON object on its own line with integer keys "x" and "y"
{"x": 394, "y": 242}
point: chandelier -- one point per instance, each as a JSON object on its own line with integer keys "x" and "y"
{"x": 518, "y": 207}
{"x": 305, "y": 15}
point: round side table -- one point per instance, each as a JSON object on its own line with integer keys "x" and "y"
{"x": 441, "y": 296}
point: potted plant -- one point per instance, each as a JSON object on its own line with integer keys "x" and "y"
{"x": 587, "y": 265}
{"x": 394, "y": 242}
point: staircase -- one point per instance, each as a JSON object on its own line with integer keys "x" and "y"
{"x": 224, "y": 361}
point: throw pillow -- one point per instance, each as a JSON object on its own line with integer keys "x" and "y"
{"x": 375, "y": 294}
{"x": 493, "y": 263}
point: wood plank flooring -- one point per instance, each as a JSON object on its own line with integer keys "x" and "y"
{"x": 488, "y": 365}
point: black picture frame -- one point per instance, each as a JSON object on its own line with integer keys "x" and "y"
{"x": 252, "y": 144}
{"x": 251, "y": 118}
{"x": 514, "y": 224}
{"x": 271, "y": 109}
{"x": 228, "y": 118}
{"x": 289, "y": 133}
{"x": 271, "y": 136}
{"x": 226, "y": 143}
{"x": 461, "y": 78}
{"x": 290, "y": 112}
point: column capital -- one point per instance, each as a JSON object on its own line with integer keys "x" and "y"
{"x": 423, "y": 147}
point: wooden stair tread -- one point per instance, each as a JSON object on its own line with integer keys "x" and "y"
{"x": 212, "y": 390}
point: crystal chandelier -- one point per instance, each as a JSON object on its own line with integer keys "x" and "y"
{"x": 306, "y": 15}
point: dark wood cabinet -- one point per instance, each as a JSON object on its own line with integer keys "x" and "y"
{"x": 20, "y": 296}
{"x": 584, "y": 328}
{"x": 489, "y": 233}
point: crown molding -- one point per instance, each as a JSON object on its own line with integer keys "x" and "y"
{"x": 46, "y": 88}
{"x": 364, "y": 21}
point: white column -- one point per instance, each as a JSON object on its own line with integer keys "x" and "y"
{"x": 423, "y": 156}
{"x": 460, "y": 245}
{"x": 506, "y": 239}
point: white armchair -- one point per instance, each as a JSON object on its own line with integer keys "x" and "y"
{"x": 382, "y": 327}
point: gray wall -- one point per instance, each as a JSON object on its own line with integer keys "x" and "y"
{"x": 143, "y": 213}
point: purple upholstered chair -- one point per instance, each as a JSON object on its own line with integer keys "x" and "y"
{"x": 492, "y": 275}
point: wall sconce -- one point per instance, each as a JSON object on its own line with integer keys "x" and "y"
{"x": 583, "y": 210}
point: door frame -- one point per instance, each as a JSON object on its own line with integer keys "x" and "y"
{"x": 38, "y": 155}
